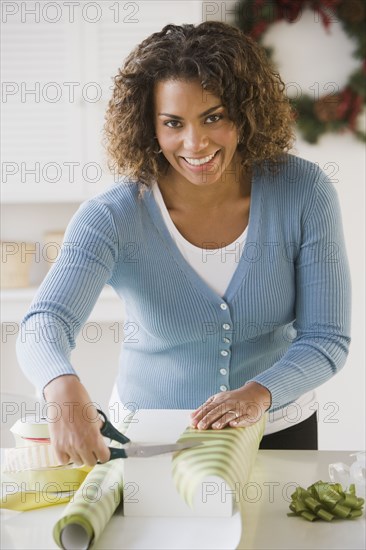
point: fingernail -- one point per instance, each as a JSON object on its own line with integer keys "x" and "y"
{"x": 216, "y": 425}
{"x": 201, "y": 425}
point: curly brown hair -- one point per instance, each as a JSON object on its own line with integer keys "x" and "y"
{"x": 228, "y": 64}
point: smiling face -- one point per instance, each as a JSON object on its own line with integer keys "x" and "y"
{"x": 195, "y": 134}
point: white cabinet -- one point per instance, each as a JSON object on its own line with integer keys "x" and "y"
{"x": 57, "y": 71}
{"x": 57, "y": 65}
{"x": 42, "y": 121}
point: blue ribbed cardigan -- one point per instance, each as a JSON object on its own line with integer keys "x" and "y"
{"x": 284, "y": 320}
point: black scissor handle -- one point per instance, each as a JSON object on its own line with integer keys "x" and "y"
{"x": 117, "y": 453}
{"x": 108, "y": 430}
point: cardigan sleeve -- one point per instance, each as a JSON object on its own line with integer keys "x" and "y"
{"x": 68, "y": 294}
{"x": 323, "y": 304}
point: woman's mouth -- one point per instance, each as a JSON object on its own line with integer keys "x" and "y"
{"x": 199, "y": 164}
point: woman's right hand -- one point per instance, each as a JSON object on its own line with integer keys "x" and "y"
{"x": 73, "y": 422}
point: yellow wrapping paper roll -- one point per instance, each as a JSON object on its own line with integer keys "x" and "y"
{"x": 48, "y": 480}
{"x": 32, "y": 489}
{"x": 29, "y": 500}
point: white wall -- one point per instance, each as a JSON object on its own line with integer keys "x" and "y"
{"x": 341, "y": 400}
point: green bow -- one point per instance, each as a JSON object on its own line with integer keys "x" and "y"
{"x": 326, "y": 501}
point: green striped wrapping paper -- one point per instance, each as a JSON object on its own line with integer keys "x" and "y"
{"x": 229, "y": 454}
{"x": 93, "y": 504}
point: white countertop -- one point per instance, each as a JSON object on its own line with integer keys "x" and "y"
{"x": 267, "y": 526}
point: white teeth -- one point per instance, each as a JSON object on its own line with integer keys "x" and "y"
{"x": 199, "y": 162}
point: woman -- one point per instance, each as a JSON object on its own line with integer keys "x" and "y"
{"x": 227, "y": 250}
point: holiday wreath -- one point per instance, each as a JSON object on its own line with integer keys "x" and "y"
{"x": 333, "y": 112}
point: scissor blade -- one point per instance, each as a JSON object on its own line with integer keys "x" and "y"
{"x": 144, "y": 451}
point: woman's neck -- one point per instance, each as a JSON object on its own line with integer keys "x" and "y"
{"x": 181, "y": 194}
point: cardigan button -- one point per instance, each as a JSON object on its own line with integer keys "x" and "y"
{"x": 223, "y": 388}
{"x": 223, "y": 371}
{"x": 223, "y": 306}
{"x": 226, "y": 326}
{"x": 224, "y": 353}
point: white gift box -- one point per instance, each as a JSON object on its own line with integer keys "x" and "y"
{"x": 149, "y": 489}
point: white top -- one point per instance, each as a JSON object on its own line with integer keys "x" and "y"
{"x": 215, "y": 266}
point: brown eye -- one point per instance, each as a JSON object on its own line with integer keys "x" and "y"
{"x": 217, "y": 117}
{"x": 171, "y": 123}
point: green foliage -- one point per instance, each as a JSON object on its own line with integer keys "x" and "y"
{"x": 255, "y": 17}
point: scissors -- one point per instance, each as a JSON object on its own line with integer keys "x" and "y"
{"x": 138, "y": 450}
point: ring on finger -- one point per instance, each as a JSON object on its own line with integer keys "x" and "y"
{"x": 234, "y": 412}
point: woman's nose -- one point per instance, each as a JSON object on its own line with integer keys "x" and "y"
{"x": 195, "y": 139}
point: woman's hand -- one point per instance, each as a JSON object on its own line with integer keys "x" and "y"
{"x": 74, "y": 423}
{"x": 236, "y": 408}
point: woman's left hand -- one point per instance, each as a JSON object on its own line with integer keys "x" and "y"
{"x": 236, "y": 408}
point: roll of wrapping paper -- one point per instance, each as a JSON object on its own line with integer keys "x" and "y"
{"x": 21, "y": 501}
{"x": 31, "y": 430}
{"x": 32, "y": 476}
{"x": 30, "y": 489}
{"x": 18, "y": 459}
{"x": 229, "y": 454}
{"x": 93, "y": 505}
